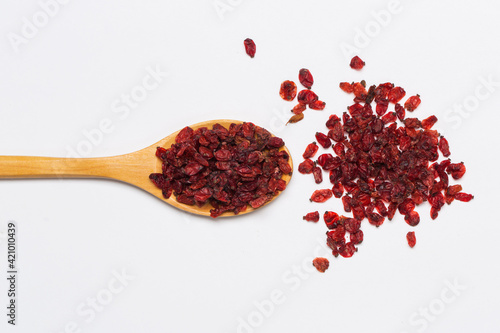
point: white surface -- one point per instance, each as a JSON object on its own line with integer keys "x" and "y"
{"x": 194, "y": 274}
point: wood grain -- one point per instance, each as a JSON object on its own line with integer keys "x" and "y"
{"x": 133, "y": 168}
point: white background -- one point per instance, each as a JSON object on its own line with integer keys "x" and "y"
{"x": 194, "y": 274}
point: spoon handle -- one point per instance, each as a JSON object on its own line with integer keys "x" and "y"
{"x": 53, "y": 167}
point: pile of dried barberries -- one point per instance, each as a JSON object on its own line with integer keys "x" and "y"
{"x": 227, "y": 168}
{"x": 306, "y": 97}
{"x": 380, "y": 167}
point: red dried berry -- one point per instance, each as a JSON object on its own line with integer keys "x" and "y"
{"x": 184, "y": 135}
{"x": 389, "y": 117}
{"x": 406, "y": 207}
{"x": 311, "y": 150}
{"x": 434, "y": 212}
{"x": 410, "y": 237}
{"x": 160, "y": 152}
{"x": 336, "y": 133}
{"x": 396, "y": 94}
{"x": 328, "y": 162}
{"x": 348, "y": 250}
{"x": 288, "y": 90}
{"x": 357, "y": 237}
{"x": 259, "y": 202}
{"x": 464, "y": 197}
{"x": 380, "y": 206}
{"x": 332, "y": 121}
{"x": 352, "y": 225}
{"x": 331, "y": 219}
{"x": 321, "y": 264}
{"x": 436, "y": 199}
{"x": 323, "y": 140}
{"x": 339, "y": 149}
{"x": 337, "y": 233}
{"x": 318, "y": 175}
{"x": 412, "y": 218}
{"x": 453, "y": 189}
{"x": 346, "y": 87}
{"x": 428, "y": 122}
{"x": 357, "y": 63}
{"x": 306, "y": 167}
{"x": 375, "y": 219}
{"x": 412, "y": 123}
{"x": 391, "y": 210}
{"x": 318, "y": 105}
{"x": 306, "y": 78}
{"x": 456, "y": 170}
{"x": 346, "y": 202}
{"x": 444, "y": 147}
{"x": 400, "y": 111}
{"x": 412, "y": 103}
{"x": 250, "y": 47}
{"x": 382, "y": 106}
{"x": 307, "y": 97}
{"x": 312, "y": 217}
{"x": 338, "y": 189}
{"x": 382, "y": 91}
{"x": 359, "y": 91}
{"x": 299, "y": 108}
{"x": 321, "y": 195}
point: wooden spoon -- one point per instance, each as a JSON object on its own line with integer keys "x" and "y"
{"x": 133, "y": 168}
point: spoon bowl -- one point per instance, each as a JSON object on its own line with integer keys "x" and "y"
{"x": 133, "y": 168}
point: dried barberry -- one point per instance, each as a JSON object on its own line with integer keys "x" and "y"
{"x": 288, "y": 90}
{"x": 321, "y": 195}
{"x": 454, "y": 189}
{"x": 357, "y": 237}
{"x": 406, "y": 207}
{"x": 346, "y": 87}
{"x": 444, "y": 147}
{"x": 338, "y": 189}
{"x": 389, "y": 117}
{"x": 428, "y": 122}
{"x": 299, "y": 108}
{"x": 412, "y": 218}
{"x": 321, "y": 264}
{"x": 359, "y": 91}
{"x": 318, "y": 175}
{"x": 306, "y": 167}
{"x": 412, "y": 103}
{"x": 465, "y": 197}
{"x": 331, "y": 219}
{"x": 357, "y": 63}
{"x": 310, "y": 151}
{"x": 323, "y": 140}
{"x": 456, "y": 170}
{"x": 317, "y": 105}
{"x": 352, "y": 225}
{"x": 307, "y": 97}
{"x": 348, "y": 250}
{"x": 396, "y": 94}
{"x": 250, "y": 47}
{"x": 434, "y": 212}
{"x": 382, "y": 106}
{"x": 306, "y": 78}
{"x": 312, "y": 217}
{"x": 410, "y": 237}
